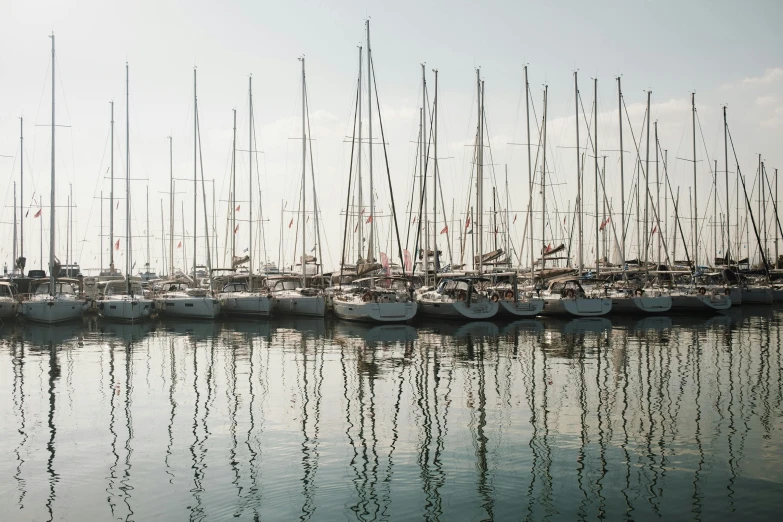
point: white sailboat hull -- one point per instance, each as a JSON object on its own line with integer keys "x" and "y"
{"x": 522, "y": 308}
{"x": 125, "y": 309}
{"x": 483, "y": 309}
{"x": 187, "y": 306}
{"x": 354, "y": 310}
{"x": 577, "y": 307}
{"x": 641, "y": 304}
{"x": 53, "y": 310}
{"x": 700, "y": 303}
{"x": 314, "y": 305}
{"x": 245, "y": 304}
{"x": 8, "y": 307}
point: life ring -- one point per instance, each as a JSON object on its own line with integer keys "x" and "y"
{"x": 367, "y": 297}
{"x": 639, "y": 292}
{"x": 702, "y": 290}
{"x": 570, "y": 293}
{"x": 495, "y": 297}
{"x": 509, "y": 294}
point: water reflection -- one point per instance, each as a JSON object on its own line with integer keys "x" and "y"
{"x": 313, "y": 419}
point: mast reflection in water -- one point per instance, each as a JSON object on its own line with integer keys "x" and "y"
{"x": 306, "y": 419}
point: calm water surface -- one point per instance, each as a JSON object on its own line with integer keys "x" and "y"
{"x": 302, "y": 419}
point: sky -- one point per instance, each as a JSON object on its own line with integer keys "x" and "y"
{"x": 727, "y": 53}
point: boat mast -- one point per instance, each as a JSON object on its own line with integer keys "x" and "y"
{"x": 195, "y": 174}
{"x": 371, "y": 246}
{"x": 646, "y": 189}
{"x": 21, "y": 193}
{"x": 543, "y": 190}
{"x": 359, "y": 208}
{"x": 727, "y": 254}
{"x": 234, "y": 191}
{"x": 250, "y": 181}
{"x": 424, "y": 162}
{"x": 128, "y": 249}
{"x": 111, "y": 196}
{"x": 529, "y": 177}
{"x": 171, "y": 210}
{"x": 695, "y": 201}
{"x": 479, "y": 172}
{"x": 658, "y": 198}
{"x": 148, "y": 230}
{"x": 162, "y": 235}
{"x": 304, "y": 168}
{"x": 622, "y": 176}
{"x": 51, "y": 195}
{"x": 578, "y": 176}
{"x": 775, "y": 199}
{"x": 435, "y": 178}
{"x": 597, "y": 185}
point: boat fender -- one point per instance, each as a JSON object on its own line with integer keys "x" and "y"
{"x": 727, "y": 291}
{"x": 702, "y": 290}
{"x": 367, "y": 297}
{"x": 570, "y": 293}
{"x": 100, "y": 306}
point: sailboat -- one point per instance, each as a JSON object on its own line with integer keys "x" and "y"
{"x": 565, "y": 296}
{"x": 177, "y": 297}
{"x": 376, "y": 298}
{"x": 464, "y": 297}
{"x": 291, "y": 294}
{"x": 237, "y": 296}
{"x": 53, "y": 300}
{"x": 125, "y": 300}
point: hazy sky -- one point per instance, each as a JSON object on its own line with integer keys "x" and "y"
{"x": 727, "y": 52}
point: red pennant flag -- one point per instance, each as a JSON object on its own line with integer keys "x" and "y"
{"x": 307, "y": 220}
{"x": 384, "y": 260}
{"x": 356, "y": 227}
{"x": 655, "y": 229}
{"x": 117, "y": 245}
{"x": 27, "y": 213}
{"x": 38, "y": 214}
{"x": 467, "y": 222}
{"x": 414, "y": 220}
{"x": 180, "y": 245}
{"x": 236, "y": 228}
{"x": 237, "y": 209}
{"x": 362, "y": 212}
{"x": 548, "y": 248}
{"x": 445, "y": 230}
{"x": 369, "y": 219}
{"x": 291, "y": 223}
{"x": 515, "y": 219}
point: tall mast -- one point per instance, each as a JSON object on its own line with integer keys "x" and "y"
{"x": 371, "y": 246}
{"x": 359, "y": 224}
{"x": 658, "y": 197}
{"x": 128, "y": 249}
{"x": 646, "y": 186}
{"x": 529, "y": 176}
{"x": 111, "y": 196}
{"x": 578, "y": 175}
{"x": 148, "y": 229}
{"x": 234, "y": 190}
{"x": 171, "y": 210}
{"x": 714, "y": 215}
{"x": 250, "y": 181}
{"x": 435, "y": 175}
{"x": 479, "y": 171}
{"x": 423, "y": 151}
{"x": 51, "y": 195}
{"x": 622, "y": 176}
{"x": 727, "y": 253}
{"x": 695, "y": 201}
{"x": 304, "y": 168}
{"x": 162, "y": 235}
{"x": 597, "y": 185}
{"x": 13, "y": 264}
{"x": 195, "y": 173}
{"x": 21, "y": 192}
{"x": 775, "y": 199}
{"x": 543, "y": 190}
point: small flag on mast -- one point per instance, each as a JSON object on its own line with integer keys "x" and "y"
{"x": 445, "y": 230}
{"x": 117, "y": 245}
{"x": 38, "y": 214}
{"x": 291, "y": 223}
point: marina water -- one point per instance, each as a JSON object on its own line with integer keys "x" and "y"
{"x": 311, "y": 419}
